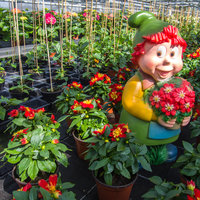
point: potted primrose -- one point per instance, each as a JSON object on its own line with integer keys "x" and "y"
{"x": 114, "y": 158}
{"x": 34, "y": 148}
{"x": 86, "y": 116}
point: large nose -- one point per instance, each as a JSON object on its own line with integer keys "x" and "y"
{"x": 166, "y": 61}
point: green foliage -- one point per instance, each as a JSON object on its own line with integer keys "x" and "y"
{"x": 164, "y": 190}
{"x": 189, "y": 162}
{"x": 34, "y": 146}
{"x": 120, "y": 156}
{"x": 66, "y": 99}
{"x": 87, "y": 120}
{"x": 5, "y": 103}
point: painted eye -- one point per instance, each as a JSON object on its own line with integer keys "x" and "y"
{"x": 161, "y": 51}
{"x": 174, "y": 52}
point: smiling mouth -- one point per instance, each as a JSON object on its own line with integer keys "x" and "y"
{"x": 164, "y": 74}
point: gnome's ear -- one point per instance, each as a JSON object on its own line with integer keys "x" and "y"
{"x": 137, "y": 19}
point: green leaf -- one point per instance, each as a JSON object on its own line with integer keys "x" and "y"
{"x": 24, "y": 164}
{"x": 150, "y": 194}
{"x": 35, "y": 140}
{"x": 46, "y": 195}
{"x": 33, "y": 170}
{"x": 120, "y": 146}
{"x": 63, "y": 159}
{"x": 144, "y": 163}
{"x": 67, "y": 196}
{"x": 14, "y": 159}
{"x": 19, "y": 121}
{"x": 172, "y": 194}
{"x": 2, "y": 113}
{"x": 62, "y": 147}
{"x": 156, "y": 180}
{"x": 108, "y": 179}
{"x": 62, "y": 118}
{"x": 98, "y": 164}
{"x": 47, "y": 166}
{"x": 160, "y": 190}
{"x": 188, "y": 147}
{"x": 110, "y": 168}
{"x": 44, "y": 153}
{"x": 74, "y": 122}
{"x": 67, "y": 185}
{"x": 102, "y": 150}
{"x": 20, "y": 195}
{"x": 124, "y": 172}
{"x": 33, "y": 195}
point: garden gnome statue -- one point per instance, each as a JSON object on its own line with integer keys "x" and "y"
{"x": 158, "y": 50}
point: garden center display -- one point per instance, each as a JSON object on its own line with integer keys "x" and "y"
{"x": 99, "y": 95}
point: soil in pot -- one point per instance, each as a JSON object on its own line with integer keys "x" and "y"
{"x": 49, "y": 96}
{"x": 18, "y": 94}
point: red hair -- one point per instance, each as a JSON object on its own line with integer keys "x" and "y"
{"x": 168, "y": 33}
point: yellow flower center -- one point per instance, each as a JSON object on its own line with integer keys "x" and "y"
{"x": 168, "y": 89}
{"x": 169, "y": 107}
{"x": 52, "y": 188}
{"x": 89, "y": 101}
{"x": 114, "y": 95}
{"x": 117, "y": 132}
{"x": 182, "y": 95}
{"x": 156, "y": 98}
{"x": 100, "y": 75}
{"x": 187, "y": 105}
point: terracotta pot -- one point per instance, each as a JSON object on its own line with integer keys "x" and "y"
{"x": 81, "y": 147}
{"x": 107, "y": 192}
{"x": 35, "y": 182}
{"x": 17, "y": 180}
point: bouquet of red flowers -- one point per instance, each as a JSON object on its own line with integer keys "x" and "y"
{"x": 174, "y": 99}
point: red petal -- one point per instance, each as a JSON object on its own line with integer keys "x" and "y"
{"x": 53, "y": 179}
{"x": 42, "y": 183}
{"x": 27, "y": 187}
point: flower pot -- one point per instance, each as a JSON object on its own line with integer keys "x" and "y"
{"x": 17, "y": 180}
{"x": 18, "y": 95}
{"x": 49, "y": 96}
{"x": 81, "y": 146}
{"x": 108, "y": 192}
{"x": 43, "y": 175}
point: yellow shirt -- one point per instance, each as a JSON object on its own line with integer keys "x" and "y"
{"x": 133, "y": 101}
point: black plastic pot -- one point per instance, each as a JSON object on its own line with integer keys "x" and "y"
{"x": 2, "y": 85}
{"x": 18, "y": 95}
{"x": 36, "y": 103}
{"x": 49, "y": 96}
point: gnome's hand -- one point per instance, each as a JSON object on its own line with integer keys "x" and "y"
{"x": 186, "y": 121}
{"x": 168, "y": 124}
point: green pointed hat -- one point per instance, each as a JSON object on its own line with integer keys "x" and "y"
{"x": 146, "y": 24}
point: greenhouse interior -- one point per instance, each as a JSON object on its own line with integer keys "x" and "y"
{"x": 99, "y": 100}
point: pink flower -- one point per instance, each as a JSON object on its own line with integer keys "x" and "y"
{"x": 50, "y": 19}
{"x": 98, "y": 17}
{"x": 84, "y": 14}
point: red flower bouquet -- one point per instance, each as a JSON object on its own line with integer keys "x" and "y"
{"x": 172, "y": 100}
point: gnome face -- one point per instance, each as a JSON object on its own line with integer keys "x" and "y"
{"x": 161, "y": 61}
